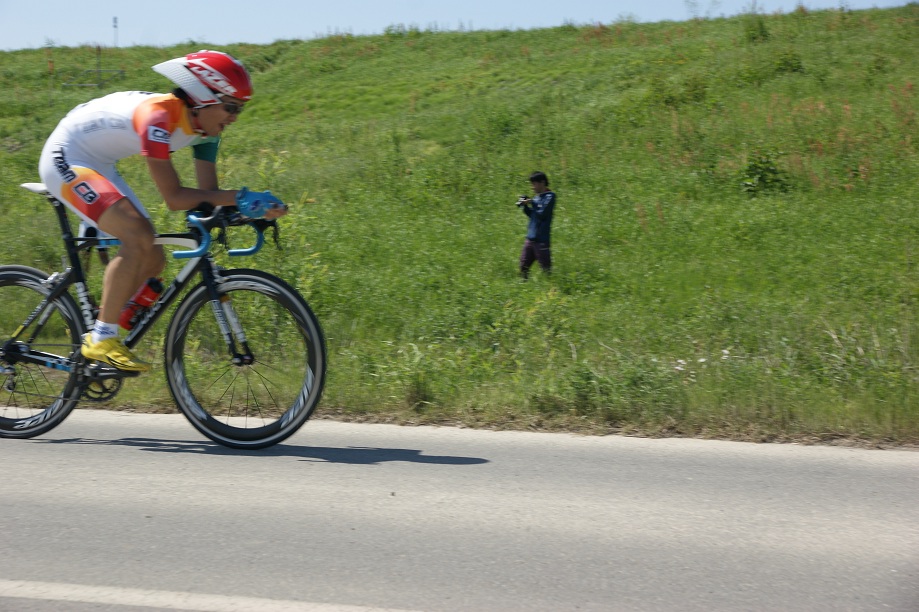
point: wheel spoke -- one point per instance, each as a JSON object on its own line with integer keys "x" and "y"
{"x": 36, "y": 396}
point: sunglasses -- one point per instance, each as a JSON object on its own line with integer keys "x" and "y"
{"x": 233, "y": 108}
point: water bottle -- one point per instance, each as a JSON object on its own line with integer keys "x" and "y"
{"x": 139, "y": 304}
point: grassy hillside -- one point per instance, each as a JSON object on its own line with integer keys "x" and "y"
{"x": 735, "y": 243}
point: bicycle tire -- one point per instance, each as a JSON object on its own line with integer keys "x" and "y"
{"x": 246, "y": 406}
{"x": 35, "y": 398}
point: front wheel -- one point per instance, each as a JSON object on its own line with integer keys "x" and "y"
{"x": 268, "y": 394}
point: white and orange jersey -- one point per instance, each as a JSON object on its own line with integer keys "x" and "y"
{"x": 78, "y": 161}
{"x": 128, "y": 123}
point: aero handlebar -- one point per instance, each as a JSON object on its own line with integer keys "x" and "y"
{"x": 220, "y": 218}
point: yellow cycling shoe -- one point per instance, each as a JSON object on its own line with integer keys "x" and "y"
{"x": 113, "y": 352}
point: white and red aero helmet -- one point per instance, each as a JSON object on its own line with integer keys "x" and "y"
{"x": 207, "y": 75}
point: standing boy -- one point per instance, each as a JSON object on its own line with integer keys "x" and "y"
{"x": 539, "y": 209}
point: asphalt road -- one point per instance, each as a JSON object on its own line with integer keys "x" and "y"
{"x": 119, "y": 512}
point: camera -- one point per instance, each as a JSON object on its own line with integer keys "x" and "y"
{"x": 522, "y": 200}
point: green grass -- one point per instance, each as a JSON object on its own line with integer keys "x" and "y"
{"x": 735, "y": 243}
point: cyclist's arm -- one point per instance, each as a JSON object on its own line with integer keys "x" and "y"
{"x": 206, "y": 171}
{"x": 178, "y": 197}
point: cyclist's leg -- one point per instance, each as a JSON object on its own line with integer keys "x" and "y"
{"x": 102, "y": 199}
{"x": 137, "y": 259}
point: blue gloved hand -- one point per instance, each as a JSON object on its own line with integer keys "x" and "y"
{"x": 254, "y": 204}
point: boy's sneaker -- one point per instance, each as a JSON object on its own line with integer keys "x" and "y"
{"x": 113, "y": 352}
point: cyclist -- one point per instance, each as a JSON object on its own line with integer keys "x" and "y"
{"x": 77, "y": 166}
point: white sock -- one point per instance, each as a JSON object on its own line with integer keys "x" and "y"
{"x": 103, "y": 331}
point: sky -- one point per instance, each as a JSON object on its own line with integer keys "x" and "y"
{"x": 33, "y": 24}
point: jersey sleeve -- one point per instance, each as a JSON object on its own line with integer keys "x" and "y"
{"x": 155, "y": 131}
{"x": 207, "y": 150}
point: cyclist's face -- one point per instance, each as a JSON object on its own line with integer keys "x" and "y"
{"x": 215, "y": 118}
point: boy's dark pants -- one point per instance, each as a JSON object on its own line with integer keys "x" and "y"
{"x": 535, "y": 251}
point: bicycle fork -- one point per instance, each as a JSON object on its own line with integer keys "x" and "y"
{"x": 230, "y": 328}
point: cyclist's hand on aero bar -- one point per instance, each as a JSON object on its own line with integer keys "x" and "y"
{"x": 258, "y": 204}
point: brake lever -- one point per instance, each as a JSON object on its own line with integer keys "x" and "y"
{"x": 227, "y": 216}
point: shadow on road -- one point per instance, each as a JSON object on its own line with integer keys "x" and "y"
{"x": 348, "y": 454}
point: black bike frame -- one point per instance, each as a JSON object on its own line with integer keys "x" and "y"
{"x": 200, "y": 261}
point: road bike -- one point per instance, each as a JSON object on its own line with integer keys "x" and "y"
{"x": 244, "y": 355}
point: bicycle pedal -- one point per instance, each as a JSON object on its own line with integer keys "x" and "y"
{"x": 100, "y": 371}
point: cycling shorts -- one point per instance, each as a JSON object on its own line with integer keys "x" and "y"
{"x": 86, "y": 190}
